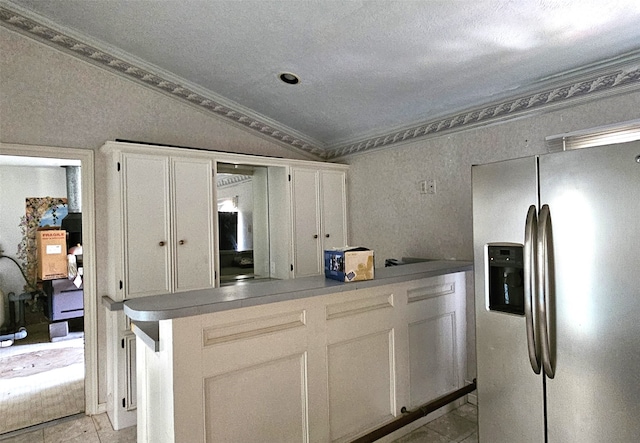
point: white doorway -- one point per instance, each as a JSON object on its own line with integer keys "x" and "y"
{"x": 76, "y": 352}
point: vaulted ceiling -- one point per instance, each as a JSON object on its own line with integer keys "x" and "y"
{"x": 372, "y": 73}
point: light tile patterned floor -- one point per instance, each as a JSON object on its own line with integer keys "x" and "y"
{"x": 84, "y": 429}
{"x": 458, "y": 426}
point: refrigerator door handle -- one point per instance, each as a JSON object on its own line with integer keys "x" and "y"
{"x": 530, "y": 265}
{"x": 544, "y": 287}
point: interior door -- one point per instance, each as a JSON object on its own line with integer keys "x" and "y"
{"x": 595, "y": 302}
{"x": 510, "y": 394}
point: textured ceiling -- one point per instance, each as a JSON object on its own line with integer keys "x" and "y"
{"x": 372, "y": 72}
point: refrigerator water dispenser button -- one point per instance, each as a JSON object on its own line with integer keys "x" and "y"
{"x": 506, "y": 278}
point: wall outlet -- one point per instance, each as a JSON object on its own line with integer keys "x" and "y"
{"x": 431, "y": 186}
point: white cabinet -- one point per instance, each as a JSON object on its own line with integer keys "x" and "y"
{"x": 319, "y": 217}
{"x": 144, "y": 196}
{"x": 362, "y": 347}
{"x": 252, "y": 378}
{"x": 327, "y": 368}
{"x": 161, "y": 216}
{"x": 333, "y": 194}
{"x": 436, "y": 327}
{"x": 168, "y": 224}
{"x": 193, "y": 228}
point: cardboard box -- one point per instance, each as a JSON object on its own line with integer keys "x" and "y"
{"x": 52, "y": 254}
{"x": 349, "y": 264}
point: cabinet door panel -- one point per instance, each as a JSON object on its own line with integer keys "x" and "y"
{"x": 333, "y": 209}
{"x": 306, "y": 223}
{"x": 361, "y": 383}
{"x": 263, "y": 403}
{"x": 432, "y": 358}
{"x": 436, "y": 331}
{"x": 146, "y": 225}
{"x": 193, "y": 223}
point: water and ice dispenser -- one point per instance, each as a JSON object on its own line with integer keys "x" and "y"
{"x": 506, "y": 278}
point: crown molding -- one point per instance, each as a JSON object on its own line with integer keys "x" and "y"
{"x": 610, "y": 78}
{"x": 153, "y": 77}
{"x": 567, "y": 94}
{"x": 233, "y": 179}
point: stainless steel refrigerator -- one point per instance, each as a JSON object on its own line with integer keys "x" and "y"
{"x": 557, "y": 293}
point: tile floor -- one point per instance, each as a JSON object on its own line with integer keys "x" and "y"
{"x": 459, "y": 426}
{"x": 80, "y": 429}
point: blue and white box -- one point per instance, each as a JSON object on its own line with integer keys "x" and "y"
{"x": 349, "y": 264}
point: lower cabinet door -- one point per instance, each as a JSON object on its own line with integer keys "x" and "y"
{"x": 361, "y": 362}
{"x": 122, "y": 396}
{"x": 436, "y": 319}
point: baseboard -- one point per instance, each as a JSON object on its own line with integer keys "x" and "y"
{"x": 472, "y": 397}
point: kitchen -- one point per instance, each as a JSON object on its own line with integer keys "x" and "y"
{"x": 53, "y": 99}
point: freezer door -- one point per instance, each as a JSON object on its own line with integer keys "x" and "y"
{"x": 510, "y": 394}
{"x": 594, "y": 200}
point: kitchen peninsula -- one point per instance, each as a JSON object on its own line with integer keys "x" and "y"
{"x": 308, "y": 359}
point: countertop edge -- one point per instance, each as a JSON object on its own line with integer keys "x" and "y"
{"x": 192, "y": 303}
{"x": 111, "y": 304}
{"x": 148, "y": 332}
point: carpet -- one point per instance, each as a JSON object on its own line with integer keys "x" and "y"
{"x": 31, "y": 363}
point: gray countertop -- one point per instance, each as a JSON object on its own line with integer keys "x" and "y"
{"x": 206, "y": 301}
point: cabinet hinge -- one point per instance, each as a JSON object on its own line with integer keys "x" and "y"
{"x": 124, "y": 403}
{"x": 118, "y": 166}
{"x": 122, "y": 343}
{"x": 120, "y": 284}
{"x": 289, "y": 177}
{"x": 291, "y": 267}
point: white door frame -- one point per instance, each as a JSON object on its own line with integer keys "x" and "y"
{"x": 86, "y": 157}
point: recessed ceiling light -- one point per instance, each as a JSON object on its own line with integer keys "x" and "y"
{"x": 289, "y": 78}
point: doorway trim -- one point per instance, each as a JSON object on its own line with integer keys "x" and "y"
{"x": 86, "y": 157}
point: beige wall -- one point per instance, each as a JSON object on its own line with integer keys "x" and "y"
{"x": 389, "y": 215}
{"x": 402, "y": 222}
{"x": 50, "y": 98}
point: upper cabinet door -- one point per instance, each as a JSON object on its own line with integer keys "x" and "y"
{"x": 306, "y": 222}
{"x": 193, "y": 213}
{"x": 146, "y": 235}
{"x": 334, "y": 232}
{"x": 319, "y": 217}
